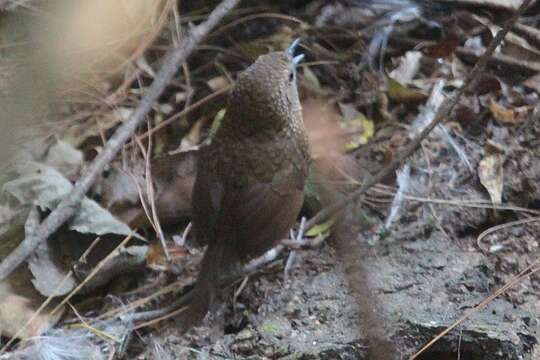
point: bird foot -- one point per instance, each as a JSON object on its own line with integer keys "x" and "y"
{"x": 298, "y": 239}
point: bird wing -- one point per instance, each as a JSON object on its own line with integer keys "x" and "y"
{"x": 206, "y": 201}
{"x": 249, "y": 221}
{"x": 258, "y": 217}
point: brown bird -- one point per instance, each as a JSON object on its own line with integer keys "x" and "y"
{"x": 250, "y": 179}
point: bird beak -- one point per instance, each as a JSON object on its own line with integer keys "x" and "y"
{"x": 296, "y": 60}
{"x": 293, "y": 46}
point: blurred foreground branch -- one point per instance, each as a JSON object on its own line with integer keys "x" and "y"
{"x": 12, "y": 4}
{"x": 67, "y": 208}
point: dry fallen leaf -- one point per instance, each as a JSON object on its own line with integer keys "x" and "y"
{"x": 156, "y": 259}
{"x": 408, "y": 67}
{"x": 42, "y": 185}
{"x": 217, "y": 83}
{"x": 486, "y": 83}
{"x": 496, "y": 4}
{"x": 513, "y": 44}
{"x": 192, "y": 140}
{"x": 173, "y": 177}
{"x": 506, "y": 116}
{"x": 444, "y": 47}
{"x": 64, "y": 158}
{"x": 50, "y": 277}
{"x": 18, "y": 305}
{"x": 490, "y": 172}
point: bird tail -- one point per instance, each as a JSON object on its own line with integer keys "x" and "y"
{"x": 206, "y": 289}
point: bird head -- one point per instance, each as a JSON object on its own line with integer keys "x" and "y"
{"x": 265, "y": 95}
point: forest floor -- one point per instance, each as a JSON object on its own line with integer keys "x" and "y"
{"x": 428, "y": 245}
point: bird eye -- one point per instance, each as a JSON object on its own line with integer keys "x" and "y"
{"x": 291, "y": 76}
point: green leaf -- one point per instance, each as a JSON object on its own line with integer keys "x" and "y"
{"x": 320, "y": 229}
{"x": 368, "y": 130}
{"x": 401, "y": 93}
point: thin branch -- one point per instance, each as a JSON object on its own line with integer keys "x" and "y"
{"x": 152, "y": 198}
{"x": 69, "y": 205}
{"x": 443, "y": 112}
{"x": 9, "y": 4}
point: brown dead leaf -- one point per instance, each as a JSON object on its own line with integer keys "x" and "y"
{"x": 156, "y": 259}
{"x": 531, "y": 33}
{"x": 174, "y": 176}
{"x": 485, "y": 84}
{"x": 14, "y": 312}
{"x": 18, "y": 302}
{"x": 466, "y": 116}
{"x": 506, "y": 116}
{"x": 443, "y": 48}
